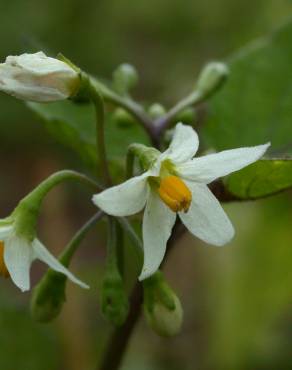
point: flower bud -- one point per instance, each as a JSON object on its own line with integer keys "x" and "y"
{"x": 212, "y": 77}
{"x": 48, "y": 296}
{"x": 125, "y": 77}
{"x": 123, "y": 118}
{"x": 36, "y": 77}
{"x": 156, "y": 111}
{"x": 187, "y": 115}
{"x": 162, "y": 307}
{"x": 164, "y": 321}
{"x": 114, "y": 300}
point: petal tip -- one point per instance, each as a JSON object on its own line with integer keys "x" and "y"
{"x": 145, "y": 274}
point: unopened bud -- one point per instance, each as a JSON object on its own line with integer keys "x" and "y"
{"x": 162, "y": 307}
{"x": 156, "y": 111}
{"x": 164, "y": 321}
{"x": 186, "y": 116}
{"x": 114, "y": 300}
{"x": 212, "y": 77}
{"x": 125, "y": 77}
{"x": 36, "y": 77}
{"x": 48, "y": 296}
{"x": 123, "y": 118}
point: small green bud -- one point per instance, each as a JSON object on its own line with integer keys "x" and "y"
{"x": 212, "y": 77}
{"x": 125, "y": 77}
{"x": 156, "y": 111}
{"x": 123, "y": 118}
{"x": 48, "y": 296}
{"x": 114, "y": 300}
{"x": 162, "y": 307}
{"x": 186, "y": 116}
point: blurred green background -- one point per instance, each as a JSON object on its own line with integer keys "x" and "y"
{"x": 237, "y": 299}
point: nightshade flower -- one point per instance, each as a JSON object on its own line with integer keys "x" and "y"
{"x": 39, "y": 78}
{"x": 176, "y": 183}
{"x": 17, "y": 254}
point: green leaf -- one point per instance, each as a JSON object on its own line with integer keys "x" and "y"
{"x": 255, "y": 105}
{"x": 73, "y": 124}
{"x": 261, "y": 179}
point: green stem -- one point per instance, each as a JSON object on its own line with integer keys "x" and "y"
{"x": 74, "y": 243}
{"x": 112, "y": 258}
{"x": 120, "y": 248}
{"x": 119, "y": 340}
{"x": 127, "y": 103}
{"x": 132, "y": 234}
{"x": 38, "y": 193}
{"x": 194, "y": 98}
{"x": 28, "y": 208}
{"x": 100, "y": 137}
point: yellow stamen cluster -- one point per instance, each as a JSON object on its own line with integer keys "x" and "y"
{"x": 175, "y": 194}
{"x": 3, "y": 269}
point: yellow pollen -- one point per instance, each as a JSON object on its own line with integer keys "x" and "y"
{"x": 3, "y": 269}
{"x": 175, "y": 194}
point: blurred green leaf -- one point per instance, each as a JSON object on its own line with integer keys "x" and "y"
{"x": 255, "y": 105}
{"x": 260, "y": 179}
{"x": 23, "y": 343}
{"x": 73, "y": 124}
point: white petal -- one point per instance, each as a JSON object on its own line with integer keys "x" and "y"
{"x": 124, "y": 199}
{"x": 18, "y": 256}
{"x": 37, "y": 77}
{"x": 41, "y": 252}
{"x": 208, "y": 168}
{"x": 157, "y": 225}
{"x": 5, "y": 231}
{"x": 206, "y": 218}
{"x": 184, "y": 144}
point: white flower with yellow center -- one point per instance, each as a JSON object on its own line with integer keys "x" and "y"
{"x": 17, "y": 254}
{"x": 176, "y": 183}
{"x": 36, "y": 77}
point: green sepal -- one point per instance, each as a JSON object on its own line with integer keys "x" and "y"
{"x": 25, "y": 217}
{"x": 162, "y": 307}
{"x": 114, "y": 300}
{"x": 146, "y": 155}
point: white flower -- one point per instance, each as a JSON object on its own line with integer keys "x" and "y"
{"x": 39, "y": 78}
{"x": 17, "y": 254}
{"x": 176, "y": 183}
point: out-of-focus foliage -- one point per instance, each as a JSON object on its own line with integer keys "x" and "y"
{"x": 73, "y": 124}
{"x": 255, "y": 104}
{"x": 260, "y": 179}
{"x": 24, "y": 344}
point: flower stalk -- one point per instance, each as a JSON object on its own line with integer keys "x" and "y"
{"x": 114, "y": 300}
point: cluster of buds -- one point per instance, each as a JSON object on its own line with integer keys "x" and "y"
{"x": 173, "y": 183}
